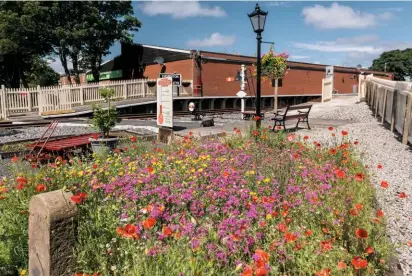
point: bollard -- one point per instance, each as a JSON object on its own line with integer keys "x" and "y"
{"x": 51, "y": 234}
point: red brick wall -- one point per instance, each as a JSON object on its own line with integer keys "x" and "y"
{"x": 344, "y": 82}
{"x": 183, "y": 67}
{"x": 65, "y": 81}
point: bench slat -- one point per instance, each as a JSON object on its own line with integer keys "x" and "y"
{"x": 296, "y": 107}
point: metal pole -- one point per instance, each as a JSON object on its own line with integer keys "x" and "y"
{"x": 258, "y": 72}
{"x": 242, "y": 87}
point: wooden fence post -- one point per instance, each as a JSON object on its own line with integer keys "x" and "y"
{"x": 407, "y": 119}
{"x": 125, "y": 90}
{"x": 144, "y": 88}
{"x": 29, "y": 100}
{"x": 81, "y": 95}
{"x": 384, "y": 105}
{"x": 3, "y": 103}
{"x": 393, "y": 117}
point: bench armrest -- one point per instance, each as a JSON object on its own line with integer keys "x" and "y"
{"x": 303, "y": 112}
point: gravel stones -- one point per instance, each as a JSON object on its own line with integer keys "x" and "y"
{"x": 377, "y": 145}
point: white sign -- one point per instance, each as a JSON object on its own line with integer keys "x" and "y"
{"x": 329, "y": 71}
{"x": 191, "y": 106}
{"x": 176, "y": 78}
{"x": 165, "y": 102}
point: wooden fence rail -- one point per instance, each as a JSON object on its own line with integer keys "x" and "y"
{"x": 63, "y": 98}
{"x": 391, "y": 102}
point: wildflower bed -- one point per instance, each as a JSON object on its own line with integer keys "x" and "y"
{"x": 268, "y": 204}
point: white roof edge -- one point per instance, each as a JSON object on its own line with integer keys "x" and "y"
{"x": 166, "y": 48}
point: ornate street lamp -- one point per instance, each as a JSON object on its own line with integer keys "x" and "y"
{"x": 258, "y": 19}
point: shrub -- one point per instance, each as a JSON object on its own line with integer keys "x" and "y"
{"x": 105, "y": 120}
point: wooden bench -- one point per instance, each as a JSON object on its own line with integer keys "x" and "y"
{"x": 301, "y": 116}
{"x": 247, "y": 115}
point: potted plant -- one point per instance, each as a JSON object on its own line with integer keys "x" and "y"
{"x": 104, "y": 120}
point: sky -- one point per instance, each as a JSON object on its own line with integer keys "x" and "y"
{"x": 333, "y": 33}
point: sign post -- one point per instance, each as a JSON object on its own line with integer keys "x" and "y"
{"x": 176, "y": 81}
{"x": 165, "y": 108}
{"x": 241, "y": 94}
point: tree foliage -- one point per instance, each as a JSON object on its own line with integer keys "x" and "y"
{"x": 78, "y": 32}
{"x": 397, "y": 61}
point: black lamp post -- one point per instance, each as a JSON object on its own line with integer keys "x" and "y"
{"x": 258, "y": 19}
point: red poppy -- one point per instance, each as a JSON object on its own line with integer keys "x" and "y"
{"x": 190, "y": 133}
{"x": 291, "y": 137}
{"x": 298, "y": 247}
{"x": 359, "y": 263}
{"x": 380, "y": 166}
{"x": 324, "y": 272}
{"x": 359, "y": 206}
{"x": 340, "y": 174}
{"x": 359, "y": 177}
{"x": 20, "y": 186}
{"x": 255, "y": 133}
{"x": 290, "y": 237}
{"x": 308, "y": 233}
{"x": 379, "y": 214}
{"x": 225, "y": 174}
{"x": 325, "y": 230}
{"x": 409, "y": 243}
{"x": 167, "y": 231}
{"x": 356, "y": 142}
{"x": 402, "y": 195}
{"x": 21, "y": 180}
{"x": 341, "y": 265}
{"x": 384, "y": 184}
{"x": 369, "y": 250}
{"x": 261, "y": 271}
{"x": 94, "y": 166}
{"x": 248, "y": 271}
{"x": 95, "y": 136}
{"x": 361, "y": 233}
{"x": 14, "y": 159}
{"x": 149, "y": 223}
{"x": 151, "y": 169}
{"x": 133, "y": 139}
{"x": 330, "y": 128}
{"x": 344, "y": 133}
{"x": 33, "y": 165}
{"x": 332, "y": 151}
{"x": 40, "y": 188}
{"x": 79, "y": 198}
{"x": 326, "y": 245}
{"x": 305, "y": 137}
{"x": 282, "y": 227}
{"x": 256, "y": 118}
{"x": 354, "y": 212}
{"x": 262, "y": 257}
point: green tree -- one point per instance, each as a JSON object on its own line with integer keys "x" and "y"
{"x": 397, "y": 61}
{"x": 41, "y": 74}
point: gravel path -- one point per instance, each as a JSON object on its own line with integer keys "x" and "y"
{"x": 377, "y": 145}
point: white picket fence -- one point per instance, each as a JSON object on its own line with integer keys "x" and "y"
{"x": 62, "y": 99}
{"x": 391, "y": 101}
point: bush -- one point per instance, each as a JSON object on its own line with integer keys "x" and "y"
{"x": 264, "y": 204}
{"x": 105, "y": 120}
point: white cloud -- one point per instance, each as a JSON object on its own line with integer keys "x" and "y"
{"x": 357, "y": 40}
{"x": 292, "y": 57}
{"x": 332, "y": 46}
{"x": 280, "y": 4}
{"x": 341, "y": 17}
{"x": 215, "y": 39}
{"x": 56, "y": 65}
{"x": 181, "y": 10}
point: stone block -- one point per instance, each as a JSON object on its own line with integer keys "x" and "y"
{"x": 51, "y": 234}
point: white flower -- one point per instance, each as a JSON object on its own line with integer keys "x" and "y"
{"x": 113, "y": 267}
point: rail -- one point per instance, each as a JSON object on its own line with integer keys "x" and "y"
{"x": 45, "y": 100}
{"x": 391, "y": 101}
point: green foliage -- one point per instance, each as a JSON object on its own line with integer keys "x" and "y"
{"x": 42, "y": 74}
{"x": 397, "y": 61}
{"x": 274, "y": 66}
{"x": 105, "y": 119}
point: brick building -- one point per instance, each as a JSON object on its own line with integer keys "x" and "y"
{"x": 209, "y": 70}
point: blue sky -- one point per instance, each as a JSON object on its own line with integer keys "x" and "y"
{"x": 335, "y": 33}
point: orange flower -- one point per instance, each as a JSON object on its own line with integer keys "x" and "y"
{"x": 151, "y": 169}
{"x": 332, "y": 151}
{"x": 354, "y": 212}
{"x": 149, "y": 223}
{"x": 40, "y": 188}
{"x": 248, "y": 271}
{"x": 361, "y": 233}
{"x": 359, "y": 206}
{"x": 344, "y": 133}
{"x": 308, "y": 233}
{"x": 225, "y": 174}
{"x": 369, "y": 250}
{"x": 341, "y": 265}
{"x": 14, "y": 159}
{"x": 359, "y": 177}
{"x": 290, "y": 237}
{"x": 261, "y": 271}
{"x": 340, "y": 174}
{"x": 384, "y": 184}
{"x": 261, "y": 257}
{"x": 380, "y": 166}
{"x": 359, "y": 263}
{"x": 330, "y": 128}
{"x": 324, "y": 272}
{"x": 281, "y": 227}
{"x": 379, "y": 214}
{"x": 129, "y": 231}
{"x": 402, "y": 195}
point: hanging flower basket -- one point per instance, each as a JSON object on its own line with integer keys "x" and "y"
{"x": 186, "y": 83}
{"x": 151, "y": 83}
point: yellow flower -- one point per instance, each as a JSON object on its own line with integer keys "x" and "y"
{"x": 266, "y": 180}
{"x": 192, "y": 170}
{"x": 80, "y": 173}
{"x": 252, "y": 193}
{"x": 121, "y": 173}
{"x": 252, "y": 172}
{"x": 200, "y": 170}
{"x": 23, "y": 272}
{"x": 268, "y": 216}
{"x": 2, "y": 189}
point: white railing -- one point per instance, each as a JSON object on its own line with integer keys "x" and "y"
{"x": 62, "y": 99}
{"x": 327, "y": 88}
{"x": 391, "y": 101}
